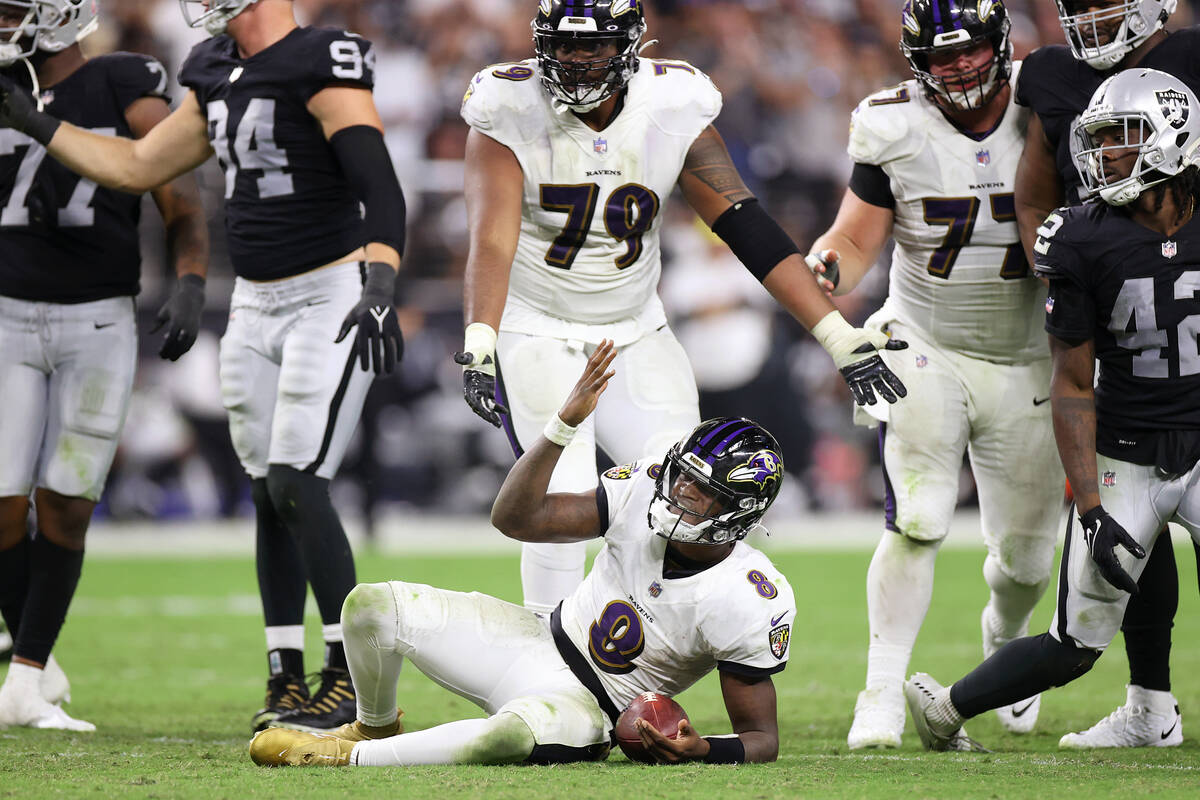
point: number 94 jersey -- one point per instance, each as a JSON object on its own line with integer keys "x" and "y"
{"x": 590, "y": 218}
{"x": 288, "y": 206}
{"x": 642, "y": 632}
{"x": 958, "y": 270}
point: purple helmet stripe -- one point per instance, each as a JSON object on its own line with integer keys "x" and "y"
{"x": 937, "y": 16}
{"x": 950, "y": 9}
{"x": 716, "y": 451}
{"x": 714, "y": 433}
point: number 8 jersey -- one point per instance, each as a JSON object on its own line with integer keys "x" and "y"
{"x": 288, "y": 207}
{"x": 591, "y": 213}
{"x": 958, "y": 271}
{"x": 640, "y": 631}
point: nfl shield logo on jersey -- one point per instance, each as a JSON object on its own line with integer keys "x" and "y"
{"x": 982, "y": 158}
{"x": 779, "y": 640}
{"x": 1109, "y": 479}
{"x": 600, "y": 145}
{"x": 1049, "y": 305}
{"x": 655, "y": 589}
{"x": 1169, "y": 249}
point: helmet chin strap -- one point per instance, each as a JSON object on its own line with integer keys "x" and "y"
{"x": 37, "y": 86}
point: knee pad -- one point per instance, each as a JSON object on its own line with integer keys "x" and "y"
{"x": 1000, "y": 577}
{"x": 507, "y": 740}
{"x": 290, "y": 489}
{"x": 369, "y": 614}
{"x": 1066, "y": 662}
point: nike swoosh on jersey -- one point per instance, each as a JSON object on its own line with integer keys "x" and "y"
{"x": 1020, "y": 712}
{"x": 1038, "y": 402}
{"x": 775, "y": 620}
{"x": 100, "y": 326}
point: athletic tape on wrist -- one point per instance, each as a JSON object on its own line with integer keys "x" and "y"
{"x": 559, "y": 432}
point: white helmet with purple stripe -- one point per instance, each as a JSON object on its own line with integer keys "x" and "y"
{"x": 716, "y": 484}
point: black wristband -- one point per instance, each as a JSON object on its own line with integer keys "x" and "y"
{"x": 725, "y": 750}
{"x": 1089, "y": 519}
{"x": 756, "y": 239}
{"x": 381, "y": 280}
{"x": 41, "y": 127}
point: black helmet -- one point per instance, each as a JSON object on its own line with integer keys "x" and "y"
{"x": 559, "y": 22}
{"x": 933, "y": 25}
{"x": 733, "y": 460}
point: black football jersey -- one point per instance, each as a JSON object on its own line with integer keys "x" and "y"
{"x": 1057, "y": 88}
{"x": 288, "y": 207}
{"x": 1136, "y": 293}
{"x": 63, "y": 239}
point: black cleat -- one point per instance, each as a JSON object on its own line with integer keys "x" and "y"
{"x": 284, "y": 693}
{"x": 331, "y": 706}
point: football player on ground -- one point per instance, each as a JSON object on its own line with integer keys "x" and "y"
{"x": 673, "y": 594}
{"x": 934, "y": 164}
{"x": 1105, "y": 36}
{"x": 69, "y": 270}
{"x": 570, "y": 156}
{"x": 1124, "y": 273}
{"x": 288, "y": 111}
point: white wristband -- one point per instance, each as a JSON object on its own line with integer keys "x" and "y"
{"x": 479, "y": 340}
{"x": 559, "y": 432}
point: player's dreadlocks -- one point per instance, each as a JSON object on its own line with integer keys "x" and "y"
{"x": 1185, "y": 191}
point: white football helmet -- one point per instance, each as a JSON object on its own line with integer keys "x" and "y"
{"x": 214, "y": 15}
{"x": 1138, "y": 19}
{"x": 1152, "y": 112}
{"x": 47, "y": 25}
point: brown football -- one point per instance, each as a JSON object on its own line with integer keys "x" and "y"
{"x": 660, "y": 711}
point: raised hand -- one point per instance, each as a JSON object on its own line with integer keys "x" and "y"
{"x": 583, "y": 398}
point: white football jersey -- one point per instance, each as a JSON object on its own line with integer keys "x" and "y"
{"x": 592, "y": 209}
{"x": 958, "y": 271}
{"x": 642, "y": 632}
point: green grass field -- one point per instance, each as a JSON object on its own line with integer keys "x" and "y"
{"x": 165, "y": 657}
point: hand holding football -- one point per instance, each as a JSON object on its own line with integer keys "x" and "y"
{"x": 657, "y": 709}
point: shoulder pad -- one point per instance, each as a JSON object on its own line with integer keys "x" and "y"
{"x": 880, "y": 125}
{"x": 332, "y": 55}
{"x": 500, "y": 96}
{"x": 199, "y": 59}
{"x": 683, "y": 98}
{"x": 133, "y": 76}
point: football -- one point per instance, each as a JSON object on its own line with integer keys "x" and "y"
{"x": 660, "y": 711}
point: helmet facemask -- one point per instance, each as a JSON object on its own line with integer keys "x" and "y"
{"x": 729, "y": 515}
{"x": 1150, "y": 117}
{"x": 214, "y": 15}
{"x": 582, "y": 84}
{"x": 18, "y": 40}
{"x": 62, "y": 23}
{"x": 1134, "y": 21}
{"x": 973, "y": 88}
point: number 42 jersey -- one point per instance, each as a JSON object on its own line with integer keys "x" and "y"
{"x": 958, "y": 270}
{"x": 640, "y": 631}
{"x": 591, "y": 213}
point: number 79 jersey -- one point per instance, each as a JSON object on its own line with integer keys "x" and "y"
{"x": 642, "y": 632}
{"x": 588, "y": 251}
{"x": 958, "y": 270}
{"x": 288, "y": 206}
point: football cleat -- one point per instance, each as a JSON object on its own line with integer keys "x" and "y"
{"x": 1020, "y": 717}
{"x": 54, "y": 686}
{"x": 357, "y": 732}
{"x": 331, "y": 706}
{"x": 283, "y": 747}
{"x": 22, "y": 706}
{"x": 284, "y": 693}
{"x": 878, "y": 720}
{"x": 920, "y": 691}
{"x": 1135, "y": 724}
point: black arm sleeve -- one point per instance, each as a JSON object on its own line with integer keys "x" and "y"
{"x": 754, "y": 237}
{"x": 368, "y": 168}
{"x": 872, "y": 185}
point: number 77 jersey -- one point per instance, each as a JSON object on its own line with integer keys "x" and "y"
{"x": 592, "y": 207}
{"x": 958, "y": 272}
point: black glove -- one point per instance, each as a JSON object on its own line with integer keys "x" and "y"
{"x": 479, "y": 387}
{"x": 379, "y": 339}
{"x": 1103, "y": 534}
{"x": 182, "y": 310}
{"x": 19, "y": 112}
{"x": 870, "y": 376}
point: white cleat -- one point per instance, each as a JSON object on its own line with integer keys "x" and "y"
{"x": 1138, "y": 723}
{"x": 54, "y": 686}
{"x": 878, "y": 720}
{"x": 20, "y": 707}
{"x": 920, "y": 692}
{"x": 1020, "y": 717}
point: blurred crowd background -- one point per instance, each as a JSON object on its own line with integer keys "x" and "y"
{"x": 790, "y": 71}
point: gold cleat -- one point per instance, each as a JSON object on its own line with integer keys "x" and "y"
{"x": 283, "y": 747}
{"x": 357, "y": 732}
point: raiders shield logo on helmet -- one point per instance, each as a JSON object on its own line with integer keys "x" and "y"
{"x": 1174, "y": 105}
